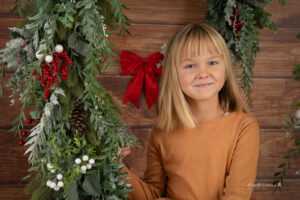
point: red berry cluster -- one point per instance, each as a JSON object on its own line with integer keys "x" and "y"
{"x": 29, "y": 121}
{"x": 59, "y": 65}
{"x": 23, "y": 43}
{"x": 238, "y": 24}
{"x": 23, "y": 134}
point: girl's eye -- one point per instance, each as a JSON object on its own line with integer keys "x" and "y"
{"x": 213, "y": 62}
{"x": 189, "y": 66}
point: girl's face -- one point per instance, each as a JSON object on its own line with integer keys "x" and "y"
{"x": 202, "y": 77}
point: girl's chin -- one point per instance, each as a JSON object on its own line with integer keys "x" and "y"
{"x": 199, "y": 99}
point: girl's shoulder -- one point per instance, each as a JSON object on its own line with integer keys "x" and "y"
{"x": 158, "y": 134}
{"x": 245, "y": 118}
{"x": 154, "y": 132}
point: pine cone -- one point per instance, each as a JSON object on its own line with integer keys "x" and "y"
{"x": 77, "y": 121}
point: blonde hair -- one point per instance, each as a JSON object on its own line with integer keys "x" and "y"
{"x": 172, "y": 108}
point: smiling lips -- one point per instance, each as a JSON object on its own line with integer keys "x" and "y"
{"x": 203, "y": 85}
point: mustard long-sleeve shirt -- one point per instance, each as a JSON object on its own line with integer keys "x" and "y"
{"x": 217, "y": 160}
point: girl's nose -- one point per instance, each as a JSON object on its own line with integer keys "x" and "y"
{"x": 202, "y": 72}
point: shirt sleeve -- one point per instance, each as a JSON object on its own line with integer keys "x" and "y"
{"x": 152, "y": 185}
{"x": 242, "y": 174}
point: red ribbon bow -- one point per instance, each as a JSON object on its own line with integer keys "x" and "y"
{"x": 146, "y": 68}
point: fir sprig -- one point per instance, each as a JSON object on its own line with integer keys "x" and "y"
{"x": 122, "y": 19}
{"x": 246, "y": 47}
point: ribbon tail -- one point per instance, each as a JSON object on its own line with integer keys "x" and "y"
{"x": 152, "y": 91}
{"x": 135, "y": 87}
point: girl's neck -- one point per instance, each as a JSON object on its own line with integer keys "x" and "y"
{"x": 206, "y": 110}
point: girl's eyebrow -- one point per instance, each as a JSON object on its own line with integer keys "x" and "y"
{"x": 189, "y": 59}
{"x": 214, "y": 56}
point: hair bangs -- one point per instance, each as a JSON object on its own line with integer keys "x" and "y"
{"x": 198, "y": 43}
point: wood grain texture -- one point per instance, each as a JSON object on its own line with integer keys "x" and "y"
{"x": 154, "y": 22}
{"x": 13, "y": 192}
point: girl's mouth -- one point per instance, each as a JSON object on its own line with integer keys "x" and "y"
{"x": 203, "y": 85}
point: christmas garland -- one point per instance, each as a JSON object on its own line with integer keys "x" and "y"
{"x": 56, "y": 54}
{"x": 238, "y": 22}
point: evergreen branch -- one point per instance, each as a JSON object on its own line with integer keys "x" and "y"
{"x": 246, "y": 48}
{"x": 292, "y": 128}
{"x": 84, "y": 22}
{"x": 283, "y": 2}
{"x": 37, "y": 136}
{"x": 122, "y": 19}
{"x": 243, "y": 43}
{"x": 19, "y": 5}
{"x": 24, "y": 95}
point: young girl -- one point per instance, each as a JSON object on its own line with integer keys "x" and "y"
{"x": 205, "y": 144}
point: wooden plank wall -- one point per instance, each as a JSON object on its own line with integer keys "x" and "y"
{"x": 153, "y": 22}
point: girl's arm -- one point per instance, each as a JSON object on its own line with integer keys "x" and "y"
{"x": 240, "y": 180}
{"x": 152, "y": 185}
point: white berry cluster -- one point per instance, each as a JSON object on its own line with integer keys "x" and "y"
{"x": 48, "y": 58}
{"x": 86, "y": 164}
{"x": 56, "y": 185}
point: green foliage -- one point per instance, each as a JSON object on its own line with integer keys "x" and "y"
{"x": 39, "y": 134}
{"x": 43, "y": 192}
{"x": 291, "y": 128}
{"x": 72, "y": 193}
{"x": 283, "y": 2}
{"x": 72, "y": 79}
{"x": 244, "y": 44}
{"x": 77, "y": 90}
{"x": 246, "y": 48}
{"x": 82, "y": 27}
{"x": 35, "y": 114}
{"x": 78, "y": 45}
{"x": 296, "y": 71}
{"x": 34, "y": 184}
{"x": 91, "y": 185}
{"x": 37, "y": 187}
